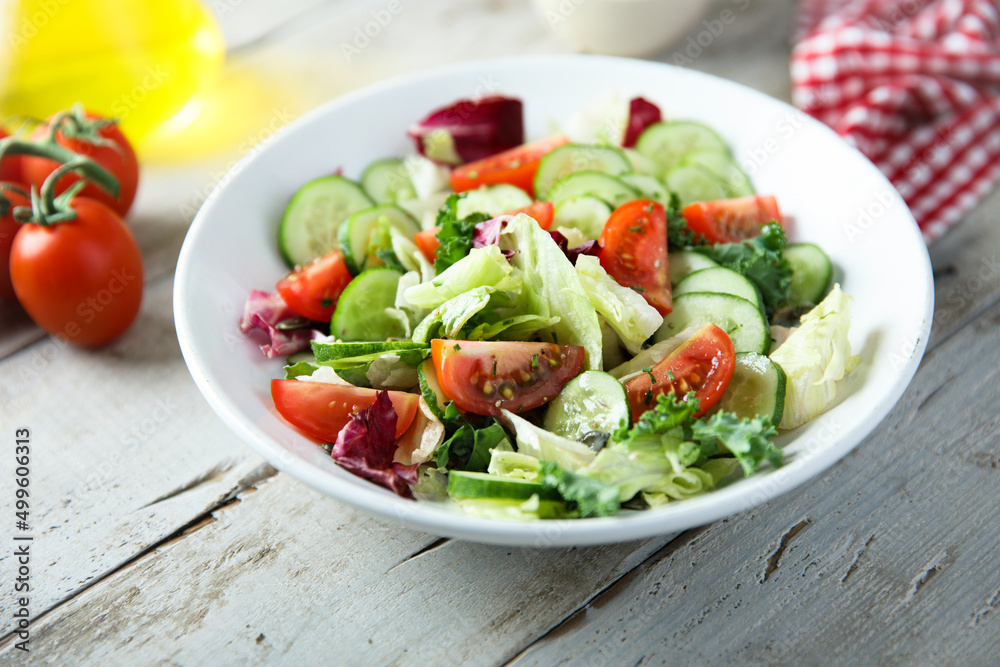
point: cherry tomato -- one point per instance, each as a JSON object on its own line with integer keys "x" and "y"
{"x": 8, "y": 228}
{"x": 731, "y": 220}
{"x": 485, "y": 377}
{"x": 10, "y": 169}
{"x": 541, "y": 211}
{"x": 321, "y": 410}
{"x": 634, "y": 251}
{"x": 703, "y": 364}
{"x": 121, "y": 163}
{"x": 312, "y": 290}
{"x": 427, "y": 242}
{"x": 80, "y": 279}
{"x": 515, "y": 167}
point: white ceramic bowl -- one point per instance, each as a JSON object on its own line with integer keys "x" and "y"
{"x": 621, "y": 27}
{"x": 837, "y": 198}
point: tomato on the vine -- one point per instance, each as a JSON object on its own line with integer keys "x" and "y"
{"x": 321, "y": 410}
{"x": 703, "y": 364}
{"x": 487, "y": 377}
{"x": 10, "y": 167}
{"x": 634, "y": 251}
{"x": 312, "y": 290}
{"x": 9, "y": 199}
{"x": 119, "y": 159}
{"x": 80, "y": 279}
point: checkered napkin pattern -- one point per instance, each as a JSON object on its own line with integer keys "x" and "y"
{"x": 915, "y": 86}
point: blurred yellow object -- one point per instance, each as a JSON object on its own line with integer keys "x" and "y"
{"x": 141, "y": 61}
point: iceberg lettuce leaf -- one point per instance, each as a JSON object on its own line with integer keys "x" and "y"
{"x": 624, "y": 309}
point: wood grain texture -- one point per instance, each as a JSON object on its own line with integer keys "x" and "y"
{"x": 884, "y": 559}
{"x": 115, "y": 434}
{"x": 293, "y": 577}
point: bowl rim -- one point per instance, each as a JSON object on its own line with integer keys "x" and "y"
{"x": 438, "y": 520}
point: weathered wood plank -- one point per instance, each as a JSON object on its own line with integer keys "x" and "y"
{"x": 885, "y": 559}
{"x": 290, "y": 576}
{"x": 113, "y": 432}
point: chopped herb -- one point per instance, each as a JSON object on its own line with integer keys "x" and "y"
{"x": 637, "y": 229}
{"x": 494, "y": 369}
{"x": 649, "y": 397}
{"x": 670, "y": 374}
{"x": 649, "y": 372}
{"x": 326, "y": 303}
{"x": 638, "y": 289}
{"x": 649, "y": 209}
{"x": 534, "y": 362}
{"x": 458, "y": 348}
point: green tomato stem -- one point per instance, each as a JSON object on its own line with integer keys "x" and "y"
{"x": 86, "y": 167}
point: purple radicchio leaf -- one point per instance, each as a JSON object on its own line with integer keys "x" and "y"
{"x": 585, "y": 248}
{"x": 263, "y": 311}
{"x": 477, "y": 129}
{"x": 641, "y": 114}
{"x": 367, "y": 444}
{"x": 488, "y": 233}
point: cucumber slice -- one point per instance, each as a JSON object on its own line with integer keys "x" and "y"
{"x": 492, "y": 200}
{"x": 722, "y": 280}
{"x": 309, "y": 225}
{"x": 368, "y": 230}
{"x": 327, "y": 352}
{"x": 742, "y": 320}
{"x": 387, "y": 181}
{"x": 307, "y": 357}
{"x": 684, "y": 262}
{"x": 693, "y": 183}
{"x": 360, "y": 314}
{"x": 811, "y": 272}
{"x": 733, "y": 179}
{"x": 640, "y": 162}
{"x": 648, "y": 186}
{"x": 667, "y": 143}
{"x": 463, "y": 484}
{"x": 757, "y": 388}
{"x": 600, "y": 185}
{"x": 592, "y": 401}
{"x": 585, "y": 213}
{"x": 431, "y": 390}
{"x": 574, "y": 158}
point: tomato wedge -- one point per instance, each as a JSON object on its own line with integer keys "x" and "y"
{"x": 541, "y": 211}
{"x": 312, "y": 290}
{"x": 486, "y": 377}
{"x": 427, "y": 241}
{"x": 635, "y": 251}
{"x": 704, "y": 364}
{"x": 321, "y": 409}
{"x": 516, "y": 166}
{"x": 731, "y": 220}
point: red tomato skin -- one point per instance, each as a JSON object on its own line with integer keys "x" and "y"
{"x": 709, "y": 353}
{"x": 542, "y": 212}
{"x": 516, "y": 166}
{"x": 428, "y": 243}
{"x": 732, "y": 220}
{"x": 634, "y": 251}
{"x": 82, "y": 279}
{"x": 307, "y": 288}
{"x": 321, "y": 410}
{"x": 10, "y": 168}
{"x": 122, "y": 164}
{"x": 8, "y": 228}
{"x": 465, "y": 372}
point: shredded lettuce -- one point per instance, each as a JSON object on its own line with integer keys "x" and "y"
{"x": 552, "y": 287}
{"x": 588, "y": 496}
{"x": 447, "y": 320}
{"x": 815, "y": 357}
{"x": 482, "y": 267}
{"x": 547, "y": 446}
{"x": 514, "y": 465}
{"x": 625, "y": 310}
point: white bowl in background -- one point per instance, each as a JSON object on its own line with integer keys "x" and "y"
{"x": 621, "y": 27}
{"x": 836, "y": 197}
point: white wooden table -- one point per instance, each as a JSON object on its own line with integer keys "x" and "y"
{"x": 160, "y": 538}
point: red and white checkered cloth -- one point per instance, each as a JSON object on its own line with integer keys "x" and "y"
{"x": 914, "y": 85}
